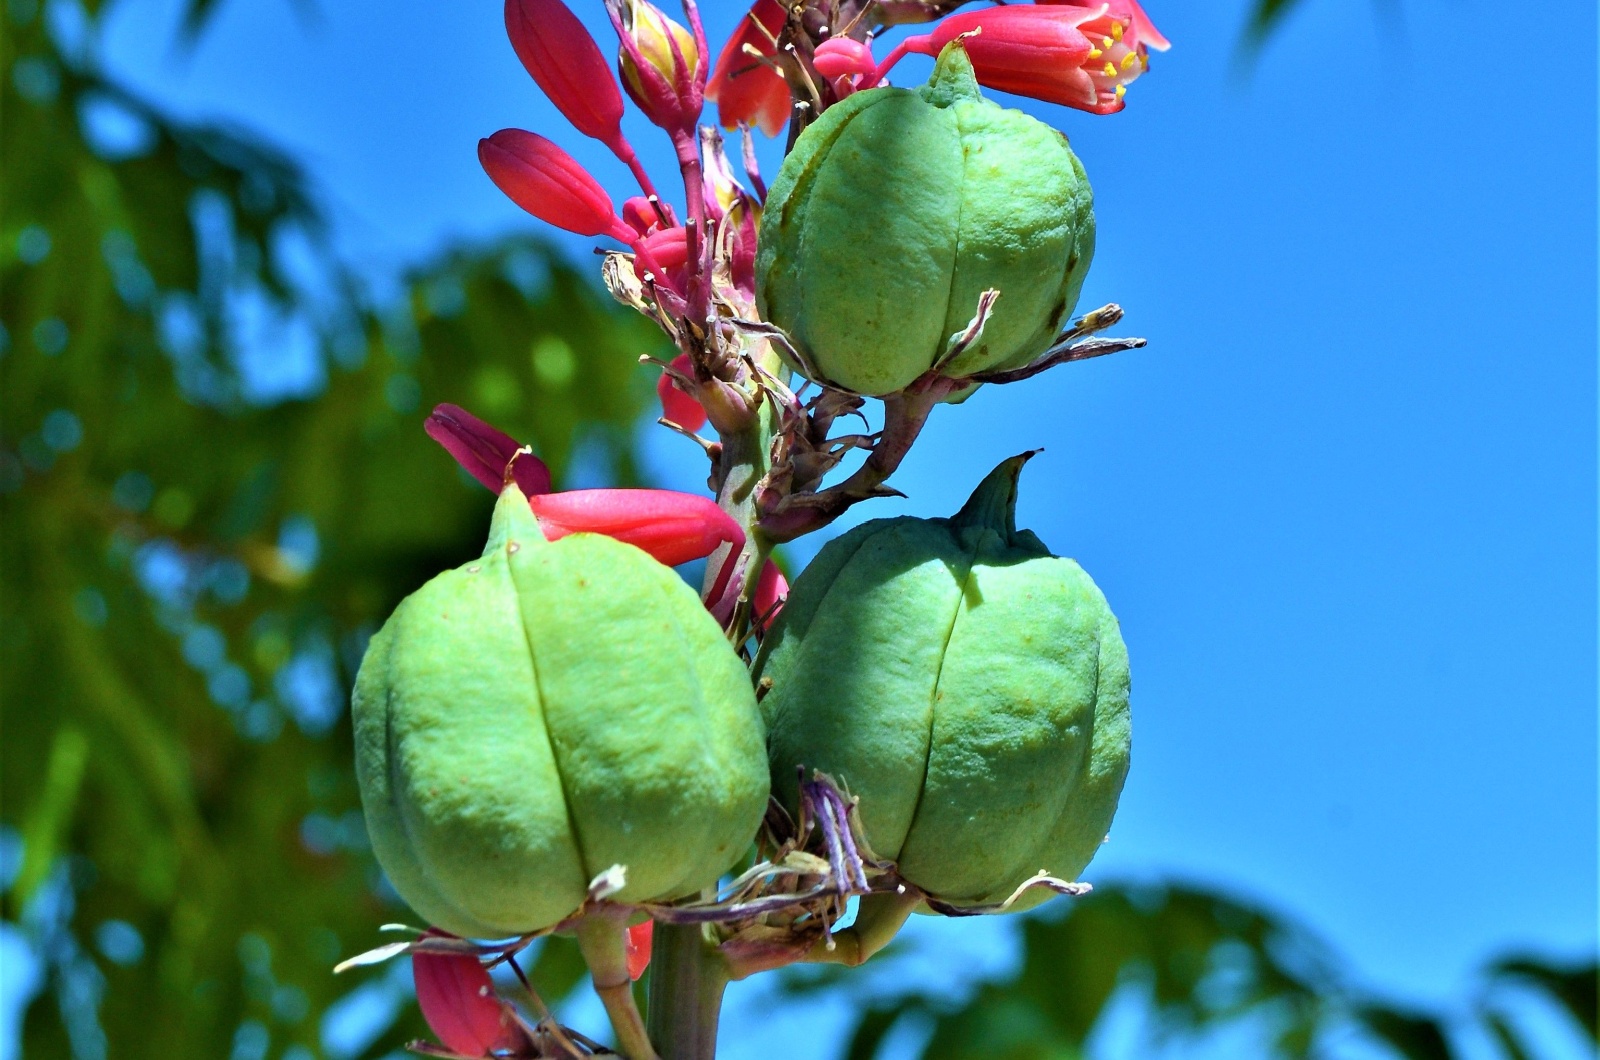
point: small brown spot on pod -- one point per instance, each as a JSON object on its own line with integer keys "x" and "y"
{"x": 512, "y": 547}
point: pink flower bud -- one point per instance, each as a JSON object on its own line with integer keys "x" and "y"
{"x": 772, "y": 589}
{"x": 458, "y": 1000}
{"x": 677, "y": 406}
{"x": 639, "y": 941}
{"x": 673, "y": 527}
{"x": 842, "y": 57}
{"x": 640, "y": 214}
{"x": 1081, "y": 57}
{"x": 568, "y": 66}
{"x": 485, "y": 452}
{"x": 668, "y": 249}
{"x": 661, "y": 63}
{"x": 547, "y": 182}
{"x": 745, "y": 89}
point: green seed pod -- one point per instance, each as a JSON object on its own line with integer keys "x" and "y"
{"x": 530, "y": 719}
{"x": 897, "y": 209}
{"x": 967, "y": 685}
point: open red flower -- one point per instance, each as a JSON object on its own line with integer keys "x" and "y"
{"x": 1081, "y": 57}
{"x": 745, "y": 87}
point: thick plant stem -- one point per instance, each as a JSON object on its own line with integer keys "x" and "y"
{"x": 687, "y": 978}
{"x": 600, "y": 939}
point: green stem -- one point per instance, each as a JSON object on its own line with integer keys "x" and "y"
{"x": 687, "y": 978}
{"x": 600, "y": 939}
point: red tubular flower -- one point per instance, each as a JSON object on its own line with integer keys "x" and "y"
{"x": 547, "y": 182}
{"x": 458, "y": 1000}
{"x": 662, "y": 63}
{"x": 1081, "y": 57}
{"x": 677, "y": 406}
{"x": 639, "y": 941}
{"x": 744, "y": 88}
{"x": 672, "y": 527}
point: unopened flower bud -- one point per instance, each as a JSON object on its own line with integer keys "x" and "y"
{"x": 568, "y": 66}
{"x": 550, "y": 184}
{"x": 844, "y": 62}
{"x": 660, "y": 63}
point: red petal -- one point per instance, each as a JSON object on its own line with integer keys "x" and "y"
{"x": 639, "y": 941}
{"x": 772, "y": 589}
{"x": 459, "y": 1003}
{"x": 568, "y": 65}
{"x": 677, "y": 406}
{"x": 745, "y": 89}
{"x": 549, "y": 183}
{"x": 484, "y": 451}
{"x": 673, "y": 527}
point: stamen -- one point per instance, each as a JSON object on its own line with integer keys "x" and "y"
{"x": 1111, "y": 69}
{"x": 1095, "y": 53}
{"x": 1128, "y": 61}
{"x": 1122, "y": 90}
{"x": 1106, "y": 42}
{"x": 1116, "y": 30}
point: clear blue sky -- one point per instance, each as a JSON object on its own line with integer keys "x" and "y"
{"x": 1344, "y": 504}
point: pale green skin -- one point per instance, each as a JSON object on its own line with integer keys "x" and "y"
{"x": 526, "y": 721}
{"x": 968, "y": 686}
{"x": 897, "y": 209}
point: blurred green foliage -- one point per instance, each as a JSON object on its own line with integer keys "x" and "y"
{"x": 214, "y": 485}
{"x": 1195, "y": 962}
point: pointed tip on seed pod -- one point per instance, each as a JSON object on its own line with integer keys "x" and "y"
{"x": 993, "y": 505}
{"x": 513, "y": 526}
{"x": 953, "y": 78}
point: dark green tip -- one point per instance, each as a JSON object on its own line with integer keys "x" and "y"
{"x": 952, "y": 79}
{"x": 993, "y": 505}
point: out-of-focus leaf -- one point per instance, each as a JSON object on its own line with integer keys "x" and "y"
{"x": 1576, "y": 988}
{"x": 1506, "y": 1037}
{"x": 196, "y": 540}
{"x": 1413, "y": 1036}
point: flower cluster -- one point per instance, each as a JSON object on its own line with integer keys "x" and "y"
{"x": 703, "y": 269}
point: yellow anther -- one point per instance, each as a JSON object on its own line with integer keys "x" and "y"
{"x": 1122, "y": 90}
{"x": 1111, "y": 69}
{"x": 1095, "y": 53}
{"x": 1116, "y": 30}
{"x": 1129, "y": 61}
{"x": 1144, "y": 61}
{"x": 1106, "y": 42}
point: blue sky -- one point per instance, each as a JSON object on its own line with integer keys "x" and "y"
{"x": 1344, "y": 504}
